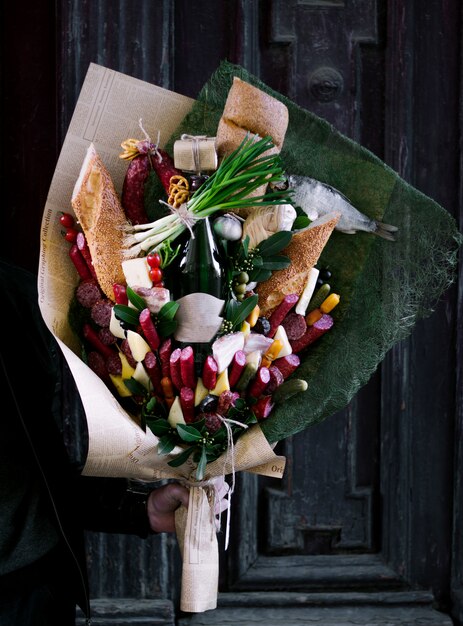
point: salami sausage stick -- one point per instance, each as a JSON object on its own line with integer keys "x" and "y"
{"x": 312, "y": 333}
{"x": 281, "y": 312}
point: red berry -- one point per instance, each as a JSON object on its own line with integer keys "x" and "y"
{"x": 66, "y": 220}
{"x": 154, "y": 259}
{"x": 155, "y": 274}
{"x": 71, "y": 235}
{"x": 159, "y": 284}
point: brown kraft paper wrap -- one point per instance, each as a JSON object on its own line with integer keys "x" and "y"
{"x": 118, "y": 446}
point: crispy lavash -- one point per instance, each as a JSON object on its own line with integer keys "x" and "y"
{"x": 99, "y": 211}
{"x": 250, "y": 110}
{"x": 304, "y": 251}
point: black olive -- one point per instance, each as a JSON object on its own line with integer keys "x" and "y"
{"x": 262, "y": 326}
{"x": 324, "y": 275}
{"x": 209, "y": 404}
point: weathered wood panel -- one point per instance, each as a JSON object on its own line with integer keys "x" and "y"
{"x": 378, "y": 484}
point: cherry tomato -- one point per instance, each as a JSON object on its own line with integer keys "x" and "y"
{"x": 70, "y": 235}
{"x": 154, "y": 259}
{"x": 155, "y": 274}
{"x": 66, "y": 220}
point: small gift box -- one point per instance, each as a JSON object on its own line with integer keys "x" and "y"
{"x": 195, "y": 153}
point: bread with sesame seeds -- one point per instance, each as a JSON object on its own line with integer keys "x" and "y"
{"x": 99, "y": 212}
{"x": 304, "y": 251}
{"x": 250, "y": 111}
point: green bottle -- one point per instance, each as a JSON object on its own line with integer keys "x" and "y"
{"x": 199, "y": 287}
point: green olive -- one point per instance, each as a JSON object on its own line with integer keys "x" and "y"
{"x": 240, "y": 297}
{"x": 243, "y": 277}
{"x": 240, "y": 288}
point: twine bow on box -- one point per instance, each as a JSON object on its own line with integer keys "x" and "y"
{"x": 195, "y": 153}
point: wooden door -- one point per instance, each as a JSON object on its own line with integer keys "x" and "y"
{"x": 366, "y": 525}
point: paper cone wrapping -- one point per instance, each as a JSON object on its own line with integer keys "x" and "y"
{"x": 118, "y": 446}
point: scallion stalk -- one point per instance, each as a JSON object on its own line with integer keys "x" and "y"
{"x": 230, "y": 187}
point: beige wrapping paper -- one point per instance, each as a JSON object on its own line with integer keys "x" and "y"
{"x": 197, "y": 539}
{"x": 118, "y": 447}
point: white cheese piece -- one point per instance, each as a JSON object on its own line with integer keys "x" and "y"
{"x": 222, "y": 384}
{"x": 141, "y": 375}
{"x": 283, "y": 337}
{"x": 136, "y": 272}
{"x": 200, "y": 391}
{"x": 115, "y": 326}
{"x": 303, "y": 302}
{"x": 138, "y": 345}
{"x": 175, "y": 413}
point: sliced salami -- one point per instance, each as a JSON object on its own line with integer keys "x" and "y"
{"x": 294, "y": 325}
{"x": 101, "y": 312}
{"x": 128, "y": 353}
{"x": 88, "y": 292}
{"x": 106, "y": 336}
{"x": 97, "y": 364}
{"x": 114, "y": 365}
{"x": 276, "y": 378}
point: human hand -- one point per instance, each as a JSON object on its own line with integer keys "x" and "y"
{"x": 162, "y": 504}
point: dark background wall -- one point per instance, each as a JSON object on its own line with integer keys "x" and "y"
{"x": 376, "y": 489}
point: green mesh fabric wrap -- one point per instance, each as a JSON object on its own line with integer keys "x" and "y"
{"x": 385, "y": 286}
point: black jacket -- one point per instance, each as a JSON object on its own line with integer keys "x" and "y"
{"x": 37, "y": 393}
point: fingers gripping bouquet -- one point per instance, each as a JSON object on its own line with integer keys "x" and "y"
{"x": 205, "y": 291}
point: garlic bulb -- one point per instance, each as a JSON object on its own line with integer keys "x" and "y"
{"x": 228, "y": 227}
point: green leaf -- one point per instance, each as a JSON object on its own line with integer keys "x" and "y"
{"x": 181, "y": 458}
{"x": 276, "y": 262}
{"x": 244, "y": 309}
{"x": 275, "y": 243}
{"x": 201, "y": 469}
{"x": 137, "y": 301}
{"x": 301, "y": 221}
{"x": 188, "y": 433}
{"x": 135, "y": 387}
{"x": 245, "y": 246}
{"x": 220, "y": 435}
{"x": 166, "y": 327}
{"x": 126, "y": 314}
{"x": 168, "y": 311}
{"x": 159, "y": 427}
{"x": 167, "y": 443}
{"x": 240, "y": 404}
{"x": 167, "y": 253}
{"x": 231, "y": 309}
{"x": 151, "y": 405}
{"x": 259, "y": 275}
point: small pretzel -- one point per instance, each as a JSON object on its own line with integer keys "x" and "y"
{"x": 178, "y": 191}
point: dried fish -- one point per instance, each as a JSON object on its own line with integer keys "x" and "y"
{"x": 317, "y": 199}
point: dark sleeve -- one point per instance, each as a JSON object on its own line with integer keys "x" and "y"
{"x": 54, "y": 420}
{"x": 113, "y": 505}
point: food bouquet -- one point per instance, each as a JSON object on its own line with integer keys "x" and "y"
{"x": 225, "y": 292}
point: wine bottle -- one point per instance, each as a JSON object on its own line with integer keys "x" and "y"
{"x": 199, "y": 288}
